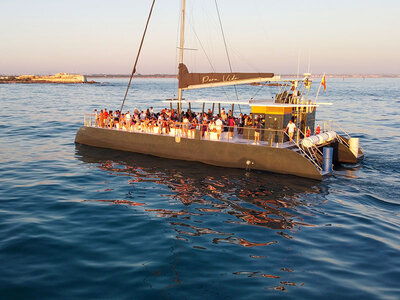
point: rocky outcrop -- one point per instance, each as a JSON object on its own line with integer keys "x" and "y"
{"x": 57, "y": 78}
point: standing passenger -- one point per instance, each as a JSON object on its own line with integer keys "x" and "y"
{"x": 101, "y": 118}
{"x": 204, "y": 127}
{"x": 219, "y": 125}
{"x": 241, "y": 124}
{"x": 318, "y": 130}
{"x": 308, "y": 132}
{"x": 185, "y": 126}
{"x": 231, "y": 124}
{"x": 290, "y": 129}
{"x": 96, "y": 118}
{"x": 257, "y": 130}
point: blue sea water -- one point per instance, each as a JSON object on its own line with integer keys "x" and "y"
{"x": 82, "y": 222}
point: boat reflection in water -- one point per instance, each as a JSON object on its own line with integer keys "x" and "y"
{"x": 255, "y": 198}
{"x": 210, "y": 207}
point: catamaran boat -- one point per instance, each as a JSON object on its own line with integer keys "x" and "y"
{"x": 309, "y": 153}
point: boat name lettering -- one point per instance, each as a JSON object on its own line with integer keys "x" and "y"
{"x": 208, "y": 79}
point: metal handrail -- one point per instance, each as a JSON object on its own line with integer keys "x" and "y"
{"x": 337, "y": 125}
{"x": 225, "y": 135}
{"x": 332, "y": 124}
{"x": 239, "y": 131}
{"x": 305, "y": 154}
{"x": 313, "y": 146}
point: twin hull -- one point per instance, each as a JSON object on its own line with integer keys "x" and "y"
{"x": 223, "y": 154}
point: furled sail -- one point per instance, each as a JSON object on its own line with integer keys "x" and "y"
{"x": 203, "y": 80}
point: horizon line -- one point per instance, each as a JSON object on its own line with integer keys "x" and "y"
{"x": 176, "y": 75}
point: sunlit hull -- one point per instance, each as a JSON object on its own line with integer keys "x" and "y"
{"x": 217, "y": 153}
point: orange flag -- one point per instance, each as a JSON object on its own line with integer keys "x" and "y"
{"x": 323, "y": 82}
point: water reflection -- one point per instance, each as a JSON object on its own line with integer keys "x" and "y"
{"x": 255, "y": 198}
{"x": 347, "y": 171}
{"x": 217, "y": 203}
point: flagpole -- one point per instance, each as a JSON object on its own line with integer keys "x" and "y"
{"x": 316, "y": 97}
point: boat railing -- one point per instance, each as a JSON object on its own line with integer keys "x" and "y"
{"x": 315, "y": 150}
{"x": 310, "y": 153}
{"x": 231, "y": 134}
{"x": 89, "y": 120}
{"x": 243, "y": 134}
{"x": 331, "y": 125}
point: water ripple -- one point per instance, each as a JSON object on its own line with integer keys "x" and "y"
{"x": 81, "y": 222}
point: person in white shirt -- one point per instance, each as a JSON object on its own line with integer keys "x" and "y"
{"x": 185, "y": 125}
{"x": 219, "y": 125}
{"x": 128, "y": 117}
{"x": 290, "y": 129}
{"x": 224, "y": 116}
{"x": 198, "y": 117}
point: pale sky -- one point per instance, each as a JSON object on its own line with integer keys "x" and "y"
{"x": 99, "y": 36}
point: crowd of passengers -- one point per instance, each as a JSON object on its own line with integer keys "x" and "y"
{"x": 166, "y": 120}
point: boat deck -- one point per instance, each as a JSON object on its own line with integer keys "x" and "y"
{"x": 208, "y": 136}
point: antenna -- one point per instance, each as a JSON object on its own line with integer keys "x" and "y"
{"x": 298, "y": 63}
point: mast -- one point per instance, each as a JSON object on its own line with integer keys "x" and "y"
{"x": 181, "y": 46}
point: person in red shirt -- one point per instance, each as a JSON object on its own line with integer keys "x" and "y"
{"x": 308, "y": 132}
{"x": 318, "y": 130}
{"x": 231, "y": 124}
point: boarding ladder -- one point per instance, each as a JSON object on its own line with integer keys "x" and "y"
{"x": 309, "y": 153}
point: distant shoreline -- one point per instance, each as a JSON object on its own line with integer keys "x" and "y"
{"x": 128, "y": 76}
{"x": 43, "y": 81}
{"x": 282, "y": 75}
{"x": 62, "y": 78}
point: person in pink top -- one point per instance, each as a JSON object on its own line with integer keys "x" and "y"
{"x": 231, "y": 124}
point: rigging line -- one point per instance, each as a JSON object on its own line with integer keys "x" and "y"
{"x": 226, "y": 48}
{"x": 208, "y": 58}
{"x": 202, "y": 48}
{"x": 137, "y": 56}
{"x": 257, "y": 91}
